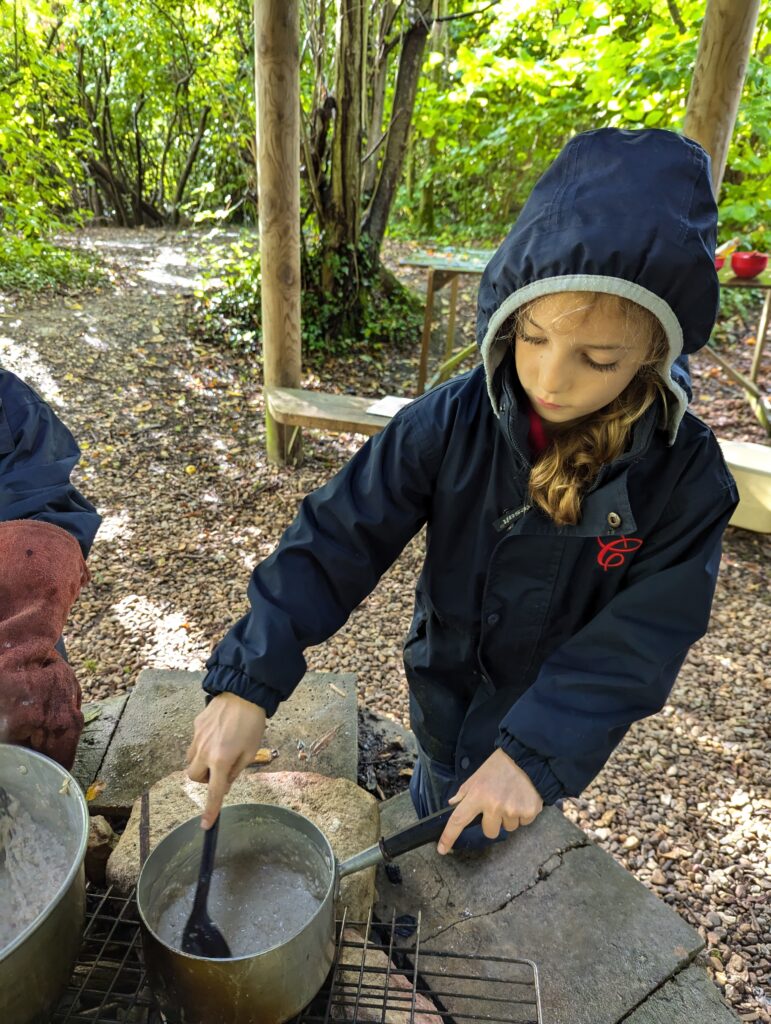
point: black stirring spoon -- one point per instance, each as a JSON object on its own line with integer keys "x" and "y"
{"x": 201, "y": 936}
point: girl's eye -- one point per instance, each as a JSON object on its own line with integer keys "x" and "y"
{"x": 531, "y": 339}
{"x": 602, "y": 367}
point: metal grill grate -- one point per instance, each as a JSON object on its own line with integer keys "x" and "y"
{"x": 371, "y": 980}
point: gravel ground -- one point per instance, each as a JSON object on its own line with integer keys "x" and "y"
{"x": 173, "y": 441}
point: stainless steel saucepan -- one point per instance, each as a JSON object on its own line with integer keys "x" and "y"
{"x": 283, "y": 939}
{"x": 36, "y": 964}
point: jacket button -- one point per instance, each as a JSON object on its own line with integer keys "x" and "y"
{"x": 493, "y": 619}
{"x": 614, "y": 520}
{"x": 464, "y": 763}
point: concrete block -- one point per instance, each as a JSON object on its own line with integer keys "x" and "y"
{"x": 156, "y": 728}
{"x": 601, "y": 941}
{"x": 96, "y": 736}
{"x": 685, "y": 999}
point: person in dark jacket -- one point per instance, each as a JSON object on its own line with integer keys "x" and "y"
{"x": 46, "y": 530}
{"x": 574, "y": 507}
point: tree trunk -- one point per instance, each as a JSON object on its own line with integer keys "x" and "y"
{"x": 277, "y": 90}
{"x": 378, "y": 89}
{"x": 410, "y": 63}
{"x": 721, "y": 64}
{"x": 344, "y": 209}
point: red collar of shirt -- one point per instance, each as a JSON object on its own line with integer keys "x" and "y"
{"x": 539, "y": 442}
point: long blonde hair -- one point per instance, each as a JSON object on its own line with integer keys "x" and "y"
{"x": 566, "y": 470}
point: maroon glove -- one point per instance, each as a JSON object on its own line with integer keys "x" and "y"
{"x": 41, "y": 573}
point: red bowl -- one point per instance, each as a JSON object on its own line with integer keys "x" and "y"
{"x": 719, "y": 261}
{"x": 748, "y": 264}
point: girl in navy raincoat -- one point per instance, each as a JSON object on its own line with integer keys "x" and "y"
{"x": 573, "y": 506}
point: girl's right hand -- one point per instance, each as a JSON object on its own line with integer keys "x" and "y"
{"x": 226, "y": 736}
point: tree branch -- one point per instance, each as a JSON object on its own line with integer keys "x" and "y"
{"x": 481, "y": 10}
{"x": 677, "y": 17}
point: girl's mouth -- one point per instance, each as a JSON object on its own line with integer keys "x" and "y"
{"x": 547, "y": 405}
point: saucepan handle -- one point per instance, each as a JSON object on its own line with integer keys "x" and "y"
{"x": 424, "y": 831}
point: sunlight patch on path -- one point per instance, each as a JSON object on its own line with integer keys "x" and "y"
{"x": 115, "y": 526}
{"x": 17, "y": 358}
{"x": 168, "y": 643}
{"x": 158, "y": 274}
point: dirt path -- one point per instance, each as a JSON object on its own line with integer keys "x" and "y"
{"x": 173, "y": 443}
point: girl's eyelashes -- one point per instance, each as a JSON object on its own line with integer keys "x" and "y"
{"x": 534, "y": 339}
{"x": 602, "y": 367}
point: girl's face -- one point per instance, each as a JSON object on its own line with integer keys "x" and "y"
{"x": 573, "y": 358}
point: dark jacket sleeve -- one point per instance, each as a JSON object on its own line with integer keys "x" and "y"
{"x": 37, "y": 454}
{"x": 623, "y": 664}
{"x": 344, "y": 538}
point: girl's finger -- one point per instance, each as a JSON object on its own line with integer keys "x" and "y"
{"x": 458, "y": 820}
{"x": 491, "y": 825}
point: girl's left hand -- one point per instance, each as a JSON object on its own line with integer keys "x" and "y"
{"x": 501, "y": 791}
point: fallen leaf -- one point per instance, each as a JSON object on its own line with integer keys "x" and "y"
{"x": 264, "y": 756}
{"x": 94, "y": 790}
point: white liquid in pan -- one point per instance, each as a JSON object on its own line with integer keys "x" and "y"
{"x": 255, "y": 903}
{"x": 33, "y": 865}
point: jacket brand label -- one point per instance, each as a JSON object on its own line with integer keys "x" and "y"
{"x": 511, "y": 515}
{"x": 612, "y": 553}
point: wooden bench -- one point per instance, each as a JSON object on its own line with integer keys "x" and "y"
{"x": 297, "y": 407}
{"x": 750, "y": 464}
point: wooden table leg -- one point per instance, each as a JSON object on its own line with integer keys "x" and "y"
{"x": 757, "y": 400}
{"x": 450, "y": 343}
{"x": 425, "y": 341}
{"x": 760, "y": 337}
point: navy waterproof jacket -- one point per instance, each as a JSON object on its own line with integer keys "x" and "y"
{"x": 546, "y": 641}
{"x": 37, "y": 454}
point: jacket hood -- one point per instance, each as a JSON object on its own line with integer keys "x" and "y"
{"x": 630, "y": 213}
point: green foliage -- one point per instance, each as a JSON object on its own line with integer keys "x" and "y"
{"x": 227, "y": 310}
{"x": 103, "y": 101}
{"x": 137, "y": 111}
{"x": 381, "y": 312}
{"x": 495, "y": 107}
{"x": 41, "y": 145}
{"x": 361, "y": 305}
{"x": 27, "y": 265}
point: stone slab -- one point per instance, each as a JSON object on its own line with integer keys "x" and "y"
{"x": 601, "y": 941}
{"x": 687, "y": 998}
{"x": 95, "y": 738}
{"x": 347, "y": 815}
{"x": 156, "y": 727}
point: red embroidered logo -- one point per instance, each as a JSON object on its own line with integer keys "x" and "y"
{"x": 612, "y": 554}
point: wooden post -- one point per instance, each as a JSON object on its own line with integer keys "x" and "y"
{"x": 718, "y": 77}
{"x": 277, "y": 91}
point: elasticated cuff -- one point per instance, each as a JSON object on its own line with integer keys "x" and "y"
{"x": 226, "y": 679}
{"x": 534, "y": 766}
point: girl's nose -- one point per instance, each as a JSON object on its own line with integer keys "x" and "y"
{"x": 552, "y": 373}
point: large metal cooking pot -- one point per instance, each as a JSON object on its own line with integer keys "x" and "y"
{"x": 270, "y": 986}
{"x": 36, "y": 965}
